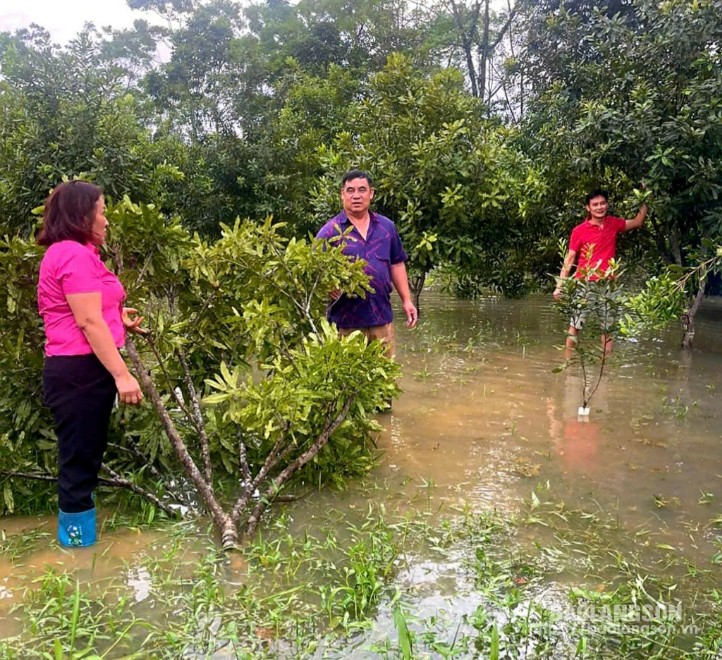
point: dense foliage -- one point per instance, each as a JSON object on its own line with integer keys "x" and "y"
{"x": 482, "y": 126}
{"x": 246, "y": 377}
{"x": 223, "y": 110}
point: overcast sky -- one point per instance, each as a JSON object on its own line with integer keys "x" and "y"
{"x": 64, "y": 18}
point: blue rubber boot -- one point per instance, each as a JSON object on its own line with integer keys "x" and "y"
{"x": 76, "y": 530}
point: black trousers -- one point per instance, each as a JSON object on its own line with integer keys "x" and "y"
{"x": 80, "y": 393}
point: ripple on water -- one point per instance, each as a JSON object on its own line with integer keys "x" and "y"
{"x": 484, "y": 421}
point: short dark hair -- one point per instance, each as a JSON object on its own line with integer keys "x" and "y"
{"x": 68, "y": 213}
{"x": 597, "y": 192}
{"x": 356, "y": 174}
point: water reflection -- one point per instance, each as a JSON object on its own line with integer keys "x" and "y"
{"x": 483, "y": 407}
{"x": 140, "y": 582}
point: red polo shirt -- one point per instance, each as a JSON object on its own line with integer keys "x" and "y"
{"x": 595, "y": 245}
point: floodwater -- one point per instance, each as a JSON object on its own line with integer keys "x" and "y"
{"x": 484, "y": 421}
{"x": 488, "y": 423}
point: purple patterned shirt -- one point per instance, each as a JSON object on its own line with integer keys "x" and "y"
{"x": 381, "y": 250}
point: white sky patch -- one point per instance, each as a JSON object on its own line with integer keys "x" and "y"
{"x": 65, "y": 18}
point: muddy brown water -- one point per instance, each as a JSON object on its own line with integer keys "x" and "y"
{"x": 489, "y": 424}
{"x": 484, "y": 420}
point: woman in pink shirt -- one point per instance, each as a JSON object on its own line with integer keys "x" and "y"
{"x": 81, "y": 303}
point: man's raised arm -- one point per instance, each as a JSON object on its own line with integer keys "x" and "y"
{"x": 638, "y": 220}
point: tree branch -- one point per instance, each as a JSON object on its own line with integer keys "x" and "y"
{"x": 504, "y": 28}
{"x": 151, "y": 468}
{"x": 121, "y": 482}
{"x": 198, "y": 417}
{"x": 222, "y": 520}
{"x": 139, "y": 455}
{"x": 290, "y": 470}
{"x": 179, "y": 401}
{"x": 243, "y": 459}
{"x": 277, "y": 453}
{"x": 116, "y": 482}
{"x": 29, "y": 475}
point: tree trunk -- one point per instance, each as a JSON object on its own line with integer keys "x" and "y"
{"x": 674, "y": 245}
{"x": 221, "y": 519}
{"x": 228, "y": 523}
{"x": 688, "y": 318}
{"x": 467, "y": 41}
{"x": 484, "y": 56}
{"x": 472, "y": 70}
{"x": 417, "y": 286}
{"x": 660, "y": 230}
{"x": 289, "y": 470}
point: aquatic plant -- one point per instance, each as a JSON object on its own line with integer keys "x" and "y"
{"x": 346, "y": 585}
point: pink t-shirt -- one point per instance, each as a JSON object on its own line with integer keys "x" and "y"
{"x": 71, "y": 267}
{"x": 595, "y": 245}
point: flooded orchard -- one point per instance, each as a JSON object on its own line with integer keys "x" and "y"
{"x": 497, "y": 523}
{"x": 484, "y": 416}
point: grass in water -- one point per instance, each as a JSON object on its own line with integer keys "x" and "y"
{"x": 548, "y": 582}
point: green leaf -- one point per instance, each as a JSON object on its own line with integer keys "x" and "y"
{"x": 8, "y": 497}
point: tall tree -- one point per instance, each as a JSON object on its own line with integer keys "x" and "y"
{"x": 460, "y": 193}
{"x": 68, "y": 112}
{"x": 637, "y": 96}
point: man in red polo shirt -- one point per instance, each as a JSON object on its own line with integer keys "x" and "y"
{"x": 594, "y": 242}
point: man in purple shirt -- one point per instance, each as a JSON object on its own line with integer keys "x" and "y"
{"x": 373, "y": 238}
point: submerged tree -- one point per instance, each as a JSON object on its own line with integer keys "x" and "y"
{"x": 632, "y": 92}
{"x": 595, "y": 300}
{"x": 251, "y": 390}
{"x": 676, "y": 294}
{"x": 611, "y": 312}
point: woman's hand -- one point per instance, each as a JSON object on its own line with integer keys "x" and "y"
{"x": 128, "y": 389}
{"x": 132, "y": 322}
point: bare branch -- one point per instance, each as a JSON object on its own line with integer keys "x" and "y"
{"x": 116, "y": 482}
{"x": 121, "y": 482}
{"x": 504, "y": 28}
{"x": 205, "y": 490}
{"x": 466, "y": 37}
{"x": 139, "y": 455}
{"x": 29, "y": 475}
{"x": 243, "y": 458}
{"x": 144, "y": 269}
{"x": 176, "y": 397}
{"x": 151, "y": 468}
{"x": 278, "y": 452}
{"x": 198, "y": 417}
{"x": 291, "y": 469}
